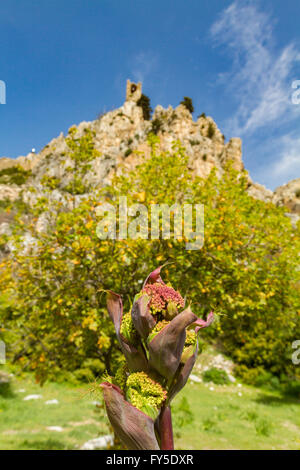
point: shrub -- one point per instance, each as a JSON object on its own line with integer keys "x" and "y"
{"x": 188, "y": 103}
{"x": 84, "y": 375}
{"x": 5, "y": 386}
{"x": 259, "y": 377}
{"x": 268, "y": 380}
{"x": 144, "y": 103}
{"x": 215, "y": 375}
{"x": 14, "y": 175}
{"x": 81, "y": 152}
{"x": 292, "y": 389}
{"x": 247, "y": 375}
{"x": 128, "y": 152}
{"x": 5, "y": 203}
{"x": 95, "y": 366}
{"x": 50, "y": 182}
{"x": 76, "y": 186}
{"x": 5, "y": 390}
{"x": 156, "y": 126}
{"x": 210, "y": 130}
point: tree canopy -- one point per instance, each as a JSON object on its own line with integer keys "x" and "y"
{"x": 53, "y": 317}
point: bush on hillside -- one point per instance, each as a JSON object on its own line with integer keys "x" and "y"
{"x": 156, "y": 126}
{"x": 188, "y": 103}
{"x": 215, "y": 375}
{"x": 210, "y": 130}
{"x": 14, "y": 175}
{"x": 144, "y": 103}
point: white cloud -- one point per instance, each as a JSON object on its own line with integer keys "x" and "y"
{"x": 143, "y": 65}
{"x": 288, "y": 165}
{"x": 260, "y": 78}
{"x": 277, "y": 160}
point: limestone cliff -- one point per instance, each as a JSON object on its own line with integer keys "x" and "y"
{"x": 120, "y": 136}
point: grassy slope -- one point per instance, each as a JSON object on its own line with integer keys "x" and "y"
{"x": 223, "y": 419}
{"x": 23, "y": 423}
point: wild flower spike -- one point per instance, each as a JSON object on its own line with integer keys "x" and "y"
{"x": 145, "y": 403}
{"x": 145, "y": 394}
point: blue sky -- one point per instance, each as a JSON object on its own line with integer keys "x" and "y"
{"x": 65, "y": 61}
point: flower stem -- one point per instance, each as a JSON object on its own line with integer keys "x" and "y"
{"x": 166, "y": 429}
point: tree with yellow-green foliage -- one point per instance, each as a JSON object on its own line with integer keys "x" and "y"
{"x": 247, "y": 271}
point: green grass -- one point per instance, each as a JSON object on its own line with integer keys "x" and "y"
{"x": 222, "y": 419}
{"x": 23, "y": 423}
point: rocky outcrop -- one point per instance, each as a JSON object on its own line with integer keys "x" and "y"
{"x": 27, "y": 162}
{"x": 121, "y": 139}
{"x": 10, "y": 192}
{"x": 258, "y": 191}
{"x": 288, "y": 195}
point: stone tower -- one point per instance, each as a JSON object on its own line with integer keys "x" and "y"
{"x": 133, "y": 91}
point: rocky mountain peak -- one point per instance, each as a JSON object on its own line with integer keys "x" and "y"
{"x": 121, "y": 139}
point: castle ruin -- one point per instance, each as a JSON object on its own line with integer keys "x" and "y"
{"x": 133, "y": 91}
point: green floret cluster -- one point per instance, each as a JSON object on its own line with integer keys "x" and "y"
{"x": 145, "y": 394}
{"x": 128, "y": 330}
{"x": 121, "y": 376}
{"x": 191, "y": 338}
{"x": 158, "y": 327}
{"x": 189, "y": 345}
